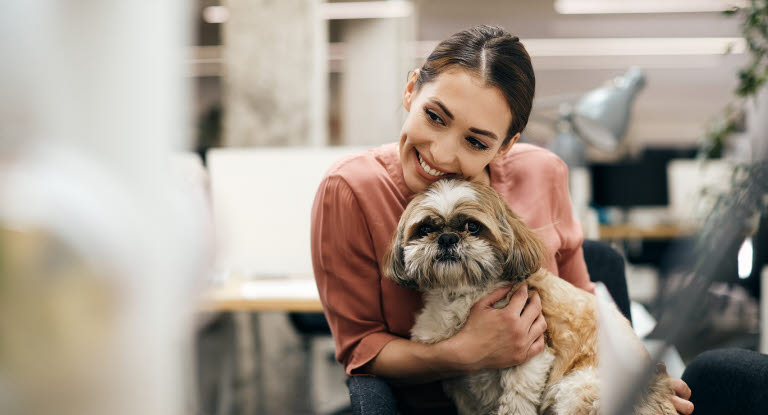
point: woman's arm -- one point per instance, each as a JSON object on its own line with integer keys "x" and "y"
{"x": 491, "y": 338}
{"x": 570, "y": 255}
{"x": 347, "y": 275}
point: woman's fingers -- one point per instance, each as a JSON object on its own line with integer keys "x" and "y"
{"x": 682, "y": 406}
{"x": 533, "y": 308}
{"x": 492, "y": 298}
{"x": 518, "y": 300}
{"x": 680, "y": 387}
{"x": 539, "y": 327}
{"x": 536, "y": 347}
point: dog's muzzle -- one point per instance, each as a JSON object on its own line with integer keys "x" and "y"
{"x": 447, "y": 247}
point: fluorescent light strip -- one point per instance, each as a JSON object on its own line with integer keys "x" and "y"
{"x": 620, "y": 46}
{"x": 643, "y": 6}
{"x": 366, "y": 10}
{"x": 215, "y": 14}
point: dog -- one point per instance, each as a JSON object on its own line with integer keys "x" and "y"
{"x": 459, "y": 241}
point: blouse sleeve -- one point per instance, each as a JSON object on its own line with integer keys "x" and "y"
{"x": 347, "y": 275}
{"x": 570, "y": 256}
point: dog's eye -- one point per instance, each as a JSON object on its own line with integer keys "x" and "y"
{"x": 473, "y": 227}
{"x": 424, "y": 230}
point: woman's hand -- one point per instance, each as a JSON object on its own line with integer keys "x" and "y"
{"x": 498, "y": 338}
{"x": 682, "y": 395}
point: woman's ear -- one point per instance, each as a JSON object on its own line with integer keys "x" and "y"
{"x": 410, "y": 90}
{"x": 506, "y": 147}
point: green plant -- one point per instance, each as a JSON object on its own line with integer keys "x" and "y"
{"x": 752, "y": 77}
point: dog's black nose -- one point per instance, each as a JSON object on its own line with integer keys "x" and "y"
{"x": 447, "y": 239}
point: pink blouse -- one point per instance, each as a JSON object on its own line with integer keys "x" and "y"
{"x": 356, "y": 211}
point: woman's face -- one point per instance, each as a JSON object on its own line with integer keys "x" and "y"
{"x": 455, "y": 127}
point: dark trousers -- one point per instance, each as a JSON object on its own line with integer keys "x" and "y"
{"x": 728, "y": 381}
{"x": 606, "y": 265}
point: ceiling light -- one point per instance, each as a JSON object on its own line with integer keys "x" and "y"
{"x": 367, "y": 10}
{"x": 215, "y": 14}
{"x": 639, "y": 46}
{"x": 643, "y": 6}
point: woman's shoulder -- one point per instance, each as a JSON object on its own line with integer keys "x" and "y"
{"x": 364, "y": 169}
{"x": 532, "y": 161}
{"x": 532, "y": 153}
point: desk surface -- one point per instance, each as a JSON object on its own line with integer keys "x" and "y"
{"x": 627, "y": 231}
{"x": 298, "y": 292}
{"x": 294, "y": 293}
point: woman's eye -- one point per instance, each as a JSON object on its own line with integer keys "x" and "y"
{"x": 424, "y": 230}
{"x": 433, "y": 116}
{"x": 474, "y": 142}
{"x": 473, "y": 227}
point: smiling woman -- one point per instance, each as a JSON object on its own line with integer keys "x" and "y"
{"x": 435, "y": 143}
{"x": 484, "y": 76}
{"x": 467, "y": 106}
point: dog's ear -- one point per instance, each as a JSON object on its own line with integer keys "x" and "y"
{"x": 393, "y": 263}
{"x": 525, "y": 255}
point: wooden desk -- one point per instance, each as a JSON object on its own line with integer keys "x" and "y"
{"x": 297, "y": 293}
{"x": 627, "y": 231}
{"x": 293, "y": 293}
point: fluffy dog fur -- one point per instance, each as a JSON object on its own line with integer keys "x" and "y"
{"x": 457, "y": 242}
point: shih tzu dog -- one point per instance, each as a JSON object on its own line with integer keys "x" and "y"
{"x": 457, "y": 242}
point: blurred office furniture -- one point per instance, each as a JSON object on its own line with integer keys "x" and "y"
{"x": 693, "y": 185}
{"x": 262, "y": 200}
{"x": 641, "y": 185}
{"x": 694, "y": 188}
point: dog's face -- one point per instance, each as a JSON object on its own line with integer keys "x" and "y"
{"x": 458, "y": 235}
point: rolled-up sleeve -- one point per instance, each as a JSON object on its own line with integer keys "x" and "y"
{"x": 347, "y": 275}
{"x": 570, "y": 256}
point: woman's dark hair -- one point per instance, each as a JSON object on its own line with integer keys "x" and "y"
{"x": 498, "y": 58}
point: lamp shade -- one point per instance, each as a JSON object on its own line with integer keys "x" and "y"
{"x": 601, "y": 116}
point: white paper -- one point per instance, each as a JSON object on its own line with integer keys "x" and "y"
{"x": 280, "y": 289}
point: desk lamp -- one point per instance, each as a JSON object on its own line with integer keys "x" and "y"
{"x": 599, "y": 118}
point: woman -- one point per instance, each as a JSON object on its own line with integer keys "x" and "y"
{"x": 467, "y": 106}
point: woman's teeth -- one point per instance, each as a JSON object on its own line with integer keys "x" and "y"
{"x": 430, "y": 171}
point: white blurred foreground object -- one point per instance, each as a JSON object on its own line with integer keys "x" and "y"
{"x": 99, "y": 250}
{"x": 618, "y": 360}
{"x": 764, "y": 310}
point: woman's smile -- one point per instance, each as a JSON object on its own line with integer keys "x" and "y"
{"x": 426, "y": 167}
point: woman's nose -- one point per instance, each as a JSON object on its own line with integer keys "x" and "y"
{"x": 443, "y": 153}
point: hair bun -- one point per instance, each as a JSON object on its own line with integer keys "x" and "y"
{"x": 515, "y": 39}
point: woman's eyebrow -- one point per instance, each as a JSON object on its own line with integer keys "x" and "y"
{"x": 442, "y": 107}
{"x": 483, "y": 132}
{"x": 473, "y": 129}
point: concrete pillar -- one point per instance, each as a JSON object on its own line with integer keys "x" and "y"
{"x": 275, "y": 73}
{"x": 377, "y": 58}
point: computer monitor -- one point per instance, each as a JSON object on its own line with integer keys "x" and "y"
{"x": 639, "y": 182}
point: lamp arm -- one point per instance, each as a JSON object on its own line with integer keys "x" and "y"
{"x": 555, "y": 101}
